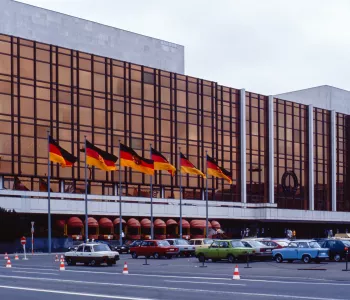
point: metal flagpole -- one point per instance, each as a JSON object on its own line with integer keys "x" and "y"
{"x": 48, "y": 191}
{"x": 206, "y": 197}
{"x": 120, "y": 201}
{"x": 180, "y": 192}
{"x": 86, "y": 202}
{"x": 151, "y": 182}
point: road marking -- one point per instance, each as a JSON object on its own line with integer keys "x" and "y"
{"x": 13, "y": 271}
{"x": 214, "y": 283}
{"x": 152, "y": 287}
{"x": 71, "y": 293}
{"x": 193, "y": 277}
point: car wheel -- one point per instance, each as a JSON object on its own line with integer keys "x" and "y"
{"x": 231, "y": 258}
{"x": 70, "y": 262}
{"x": 213, "y": 260}
{"x": 156, "y": 255}
{"x": 169, "y": 257}
{"x": 134, "y": 255}
{"x": 201, "y": 258}
{"x": 93, "y": 263}
{"x": 337, "y": 257}
{"x": 306, "y": 259}
{"x": 279, "y": 258}
{"x": 290, "y": 261}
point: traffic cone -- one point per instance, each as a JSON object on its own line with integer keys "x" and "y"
{"x": 16, "y": 257}
{"x": 62, "y": 268}
{"x": 125, "y": 270}
{"x": 8, "y": 264}
{"x": 236, "y": 275}
{"x": 62, "y": 259}
{"x": 6, "y": 256}
{"x": 56, "y": 258}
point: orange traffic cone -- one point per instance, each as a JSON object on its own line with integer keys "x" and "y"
{"x": 56, "y": 258}
{"x": 16, "y": 257}
{"x": 8, "y": 264}
{"x": 62, "y": 258}
{"x": 236, "y": 275}
{"x": 125, "y": 270}
{"x": 62, "y": 268}
{"x": 6, "y": 256}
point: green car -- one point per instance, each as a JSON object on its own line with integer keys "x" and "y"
{"x": 224, "y": 249}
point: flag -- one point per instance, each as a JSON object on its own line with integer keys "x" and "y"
{"x": 188, "y": 167}
{"x": 216, "y": 171}
{"x": 43, "y": 186}
{"x": 129, "y": 158}
{"x": 59, "y": 155}
{"x": 161, "y": 163}
{"x": 18, "y": 185}
{"x": 99, "y": 158}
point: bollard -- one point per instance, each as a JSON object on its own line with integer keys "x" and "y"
{"x": 247, "y": 267}
{"x": 346, "y": 258}
{"x": 146, "y": 264}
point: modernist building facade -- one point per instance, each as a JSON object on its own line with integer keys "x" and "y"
{"x": 288, "y": 160}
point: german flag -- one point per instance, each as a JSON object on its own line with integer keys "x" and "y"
{"x": 188, "y": 167}
{"x": 216, "y": 171}
{"x": 59, "y": 155}
{"x": 99, "y": 158}
{"x": 161, "y": 163}
{"x": 129, "y": 158}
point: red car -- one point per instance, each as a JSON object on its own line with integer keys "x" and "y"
{"x": 155, "y": 248}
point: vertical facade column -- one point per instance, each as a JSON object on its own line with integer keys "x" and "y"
{"x": 243, "y": 147}
{"x": 271, "y": 183}
{"x": 61, "y": 186}
{"x": 333, "y": 161}
{"x": 311, "y": 157}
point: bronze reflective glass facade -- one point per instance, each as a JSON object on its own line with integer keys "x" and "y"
{"x": 75, "y": 94}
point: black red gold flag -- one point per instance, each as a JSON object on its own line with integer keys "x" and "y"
{"x": 60, "y": 155}
{"x": 187, "y": 167}
{"x": 129, "y": 158}
{"x": 213, "y": 169}
{"x": 161, "y": 163}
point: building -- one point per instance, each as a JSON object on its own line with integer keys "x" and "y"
{"x": 288, "y": 158}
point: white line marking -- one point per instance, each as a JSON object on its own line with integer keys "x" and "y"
{"x": 35, "y": 273}
{"x": 194, "y": 277}
{"x": 214, "y": 283}
{"x": 71, "y": 293}
{"x": 155, "y": 288}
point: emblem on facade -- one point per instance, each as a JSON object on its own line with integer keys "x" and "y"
{"x": 136, "y": 160}
{"x": 290, "y": 182}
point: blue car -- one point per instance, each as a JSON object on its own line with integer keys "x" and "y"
{"x": 305, "y": 250}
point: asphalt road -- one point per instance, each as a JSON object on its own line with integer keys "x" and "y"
{"x": 39, "y": 278}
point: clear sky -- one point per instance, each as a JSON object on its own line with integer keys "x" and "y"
{"x": 264, "y": 46}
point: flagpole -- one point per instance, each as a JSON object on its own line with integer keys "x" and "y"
{"x": 206, "y": 198}
{"x": 180, "y": 193}
{"x": 151, "y": 182}
{"x": 48, "y": 192}
{"x": 120, "y": 200}
{"x": 86, "y": 203}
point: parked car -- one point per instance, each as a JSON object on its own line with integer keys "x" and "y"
{"x": 275, "y": 244}
{"x": 200, "y": 243}
{"x": 155, "y": 248}
{"x": 185, "y": 248}
{"x": 224, "y": 249}
{"x": 123, "y": 248}
{"x": 336, "y": 248}
{"x": 92, "y": 254}
{"x": 135, "y": 243}
{"x": 261, "y": 251}
{"x": 305, "y": 250}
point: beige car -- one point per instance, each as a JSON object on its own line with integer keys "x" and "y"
{"x": 200, "y": 243}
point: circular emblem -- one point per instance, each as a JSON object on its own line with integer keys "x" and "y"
{"x": 136, "y": 160}
{"x": 290, "y": 182}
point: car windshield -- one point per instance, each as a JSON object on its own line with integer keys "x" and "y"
{"x": 256, "y": 244}
{"x": 346, "y": 243}
{"x": 163, "y": 244}
{"x": 236, "y": 244}
{"x": 181, "y": 242}
{"x": 101, "y": 247}
{"x": 207, "y": 242}
{"x": 283, "y": 244}
{"x": 314, "y": 245}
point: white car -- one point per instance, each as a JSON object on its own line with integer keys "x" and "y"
{"x": 92, "y": 254}
{"x": 184, "y": 248}
{"x": 261, "y": 250}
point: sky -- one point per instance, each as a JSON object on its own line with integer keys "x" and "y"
{"x": 264, "y": 46}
